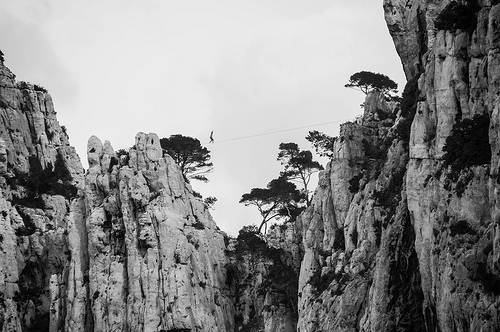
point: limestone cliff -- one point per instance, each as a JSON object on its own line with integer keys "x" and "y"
{"x": 403, "y": 233}
{"x": 124, "y": 247}
{"x": 41, "y": 184}
{"x": 360, "y": 270}
{"x": 156, "y": 257}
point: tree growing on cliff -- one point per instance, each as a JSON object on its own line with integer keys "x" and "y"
{"x": 280, "y": 199}
{"x": 322, "y": 143}
{"x": 367, "y": 81}
{"x": 190, "y": 155}
{"x": 299, "y": 166}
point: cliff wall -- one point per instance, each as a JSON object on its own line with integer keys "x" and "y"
{"x": 403, "y": 233}
{"x": 123, "y": 247}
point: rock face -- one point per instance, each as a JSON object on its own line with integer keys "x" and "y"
{"x": 41, "y": 183}
{"x": 360, "y": 269}
{"x": 403, "y": 233}
{"x": 156, "y": 258}
{"x": 124, "y": 247}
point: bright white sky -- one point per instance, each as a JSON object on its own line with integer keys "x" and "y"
{"x": 237, "y": 67}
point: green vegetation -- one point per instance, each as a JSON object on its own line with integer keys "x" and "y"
{"x": 456, "y": 16}
{"x": 468, "y": 145}
{"x": 354, "y": 183}
{"x": 39, "y": 88}
{"x": 280, "y": 278}
{"x": 490, "y": 281}
{"x": 299, "y": 166}
{"x": 320, "y": 281}
{"x": 23, "y": 85}
{"x": 461, "y": 227}
{"x": 54, "y": 180}
{"x": 210, "y": 202}
{"x": 322, "y": 143}
{"x": 367, "y": 81}
{"x": 190, "y": 155}
{"x": 374, "y": 150}
{"x": 280, "y": 199}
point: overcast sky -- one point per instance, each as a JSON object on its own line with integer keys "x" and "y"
{"x": 237, "y": 67}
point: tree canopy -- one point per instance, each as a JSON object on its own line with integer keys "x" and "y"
{"x": 280, "y": 198}
{"x": 322, "y": 143}
{"x": 299, "y": 165}
{"x": 367, "y": 81}
{"x": 190, "y": 155}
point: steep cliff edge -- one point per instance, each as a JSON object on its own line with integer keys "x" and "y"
{"x": 403, "y": 233}
{"x": 156, "y": 257}
{"x": 360, "y": 270}
{"x": 124, "y": 247}
{"x": 41, "y": 183}
{"x": 453, "y": 169}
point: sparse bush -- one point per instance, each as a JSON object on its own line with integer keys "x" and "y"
{"x": 375, "y": 150}
{"x": 210, "y": 202}
{"x": 490, "y": 281}
{"x": 321, "y": 282}
{"x": 281, "y": 278}
{"x": 468, "y": 145}
{"x": 354, "y": 183}
{"x": 123, "y": 154}
{"x": 39, "y": 88}
{"x": 461, "y": 227}
{"x": 54, "y": 180}
{"x": 23, "y": 85}
{"x": 457, "y": 16}
{"x": 250, "y": 241}
{"x": 383, "y": 115}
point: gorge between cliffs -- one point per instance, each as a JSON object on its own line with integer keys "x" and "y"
{"x": 402, "y": 233}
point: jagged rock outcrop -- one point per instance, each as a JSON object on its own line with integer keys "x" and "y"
{"x": 124, "y": 247}
{"x": 39, "y": 173}
{"x": 403, "y": 233}
{"x": 156, "y": 257}
{"x": 360, "y": 270}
